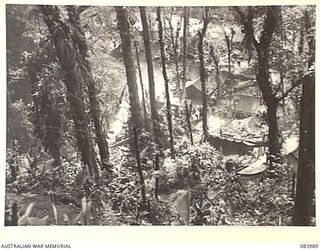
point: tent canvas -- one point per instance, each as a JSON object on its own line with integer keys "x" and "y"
{"x": 256, "y": 167}
{"x": 248, "y": 104}
{"x": 231, "y": 146}
{"x": 193, "y": 88}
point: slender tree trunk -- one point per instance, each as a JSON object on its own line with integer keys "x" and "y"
{"x": 136, "y": 117}
{"x": 65, "y": 52}
{"x": 227, "y": 39}
{"x": 166, "y": 82}
{"x": 301, "y": 41}
{"x": 282, "y": 67}
{"x": 139, "y": 166}
{"x": 52, "y": 138}
{"x": 174, "y": 43}
{"x": 96, "y": 116}
{"x": 229, "y": 44}
{"x": 32, "y": 70}
{"x": 146, "y": 124}
{"x": 157, "y": 167}
{"x": 282, "y": 92}
{"x": 188, "y": 118}
{"x": 203, "y": 76}
{"x": 152, "y": 98}
{"x": 95, "y": 111}
{"x": 184, "y": 56}
{"x": 215, "y": 60}
{"x": 123, "y": 27}
{"x": 12, "y": 164}
{"x": 293, "y": 189}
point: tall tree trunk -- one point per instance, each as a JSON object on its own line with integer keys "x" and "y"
{"x": 271, "y": 102}
{"x": 184, "y": 56}
{"x": 12, "y": 164}
{"x": 203, "y": 76}
{"x": 95, "y": 111}
{"x": 123, "y": 27}
{"x": 215, "y": 60}
{"x": 52, "y": 138}
{"x": 263, "y": 78}
{"x": 174, "y": 42}
{"x": 282, "y": 92}
{"x": 139, "y": 165}
{"x": 188, "y": 118}
{"x": 157, "y": 167}
{"x": 145, "y": 115}
{"x": 306, "y": 167}
{"x": 136, "y": 117}
{"x": 166, "y": 82}
{"x": 229, "y": 43}
{"x": 46, "y": 114}
{"x": 60, "y": 32}
{"x": 303, "y": 206}
{"x": 282, "y": 69}
{"x": 152, "y": 98}
{"x": 32, "y": 70}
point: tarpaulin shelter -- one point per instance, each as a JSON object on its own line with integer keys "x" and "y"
{"x": 232, "y": 146}
{"x": 193, "y": 87}
{"x": 254, "y": 171}
{"x": 248, "y": 104}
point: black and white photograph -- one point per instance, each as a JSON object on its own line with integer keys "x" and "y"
{"x": 160, "y": 115}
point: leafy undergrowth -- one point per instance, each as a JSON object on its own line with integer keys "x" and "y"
{"x": 42, "y": 208}
{"x": 195, "y": 188}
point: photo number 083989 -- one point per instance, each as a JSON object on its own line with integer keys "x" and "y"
{"x": 309, "y": 246}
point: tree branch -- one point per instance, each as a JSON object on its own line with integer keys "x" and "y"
{"x": 250, "y": 26}
{"x": 206, "y": 21}
{"x": 293, "y": 86}
{"x": 246, "y": 21}
{"x": 270, "y": 24}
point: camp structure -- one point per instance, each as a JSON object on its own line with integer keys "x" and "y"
{"x": 192, "y": 72}
{"x": 253, "y": 172}
{"x": 250, "y": 128}
{"x": 193, "y": 87}
{"x": 247, "y": 105}
{"x": 291, "y": 152}
{"x": 160, "y": 103}
{"x": 244, "y": 87}
{"x": 232, "y": 146}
